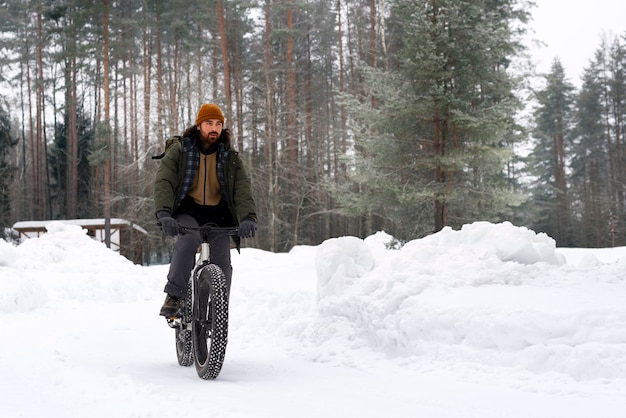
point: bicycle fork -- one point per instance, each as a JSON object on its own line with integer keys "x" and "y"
{"x": 199, "y": 289}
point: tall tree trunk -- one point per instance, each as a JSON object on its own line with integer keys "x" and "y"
{"x": 147, "y": 75}
{"x": 200, "y": 83}
{"x": 115, "y": 129}
{"x": 351, "y": 50}
{"x": 270, "y": 137}
{"x": 372, "y": 47}
{"x": 107, "y": 161}
{"x": 22, "y": 206}
{"x": 612, "y": 180}
{"x": 214, "y": 70}
{"x": 226, "y": 62}
{"x": 159, "y": 77}
{"x": 174, "y": 86}
{"x": 561, "y": 185}
{"x": 238, "y": 85}
{"x": 440, "y": 204}
{"x": 32, "y": 178}
{"x": 40, "y": 160}
{"x": 292, "y": 129}
{"x": 132, "y": 106}
{"x": 72, "y": 132}
{"x": 341, "y": 172}
{"x": 439, "y": 141}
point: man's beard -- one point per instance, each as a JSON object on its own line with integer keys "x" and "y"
{"x": 211, "y": 137}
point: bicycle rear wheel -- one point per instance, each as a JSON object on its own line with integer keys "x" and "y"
{"x": 210, "y": 325}
{"x": 184, "y": 340}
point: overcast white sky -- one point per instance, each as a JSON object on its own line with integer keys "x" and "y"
{"x": 573, "y": 30}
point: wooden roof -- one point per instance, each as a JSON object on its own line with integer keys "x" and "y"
{"x": 40, "y": 226}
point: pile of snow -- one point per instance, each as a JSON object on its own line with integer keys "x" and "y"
{"x": 498, "y": 295}
{"x": 65, "y": 263}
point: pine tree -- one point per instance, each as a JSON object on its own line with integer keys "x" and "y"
{"x": 547, "y": 162}
{"x": 589, "y": 179}
{"x": 598, "y": 160}
{"x": 435, "y": 145}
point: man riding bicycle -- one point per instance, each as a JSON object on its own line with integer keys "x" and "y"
{"x": 201, "y": 179}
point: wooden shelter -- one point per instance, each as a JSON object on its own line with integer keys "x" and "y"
{"x": 127, "y": 238}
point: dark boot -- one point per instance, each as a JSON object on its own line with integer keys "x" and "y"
{"x": 171, "y": 306}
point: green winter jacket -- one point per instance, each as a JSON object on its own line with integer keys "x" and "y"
{"x": 175, "y": 174}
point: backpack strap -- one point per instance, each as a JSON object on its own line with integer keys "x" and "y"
{"x": 168, "y": 144}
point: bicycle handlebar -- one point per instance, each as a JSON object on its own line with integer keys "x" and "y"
{"x": 209, "y": 228}
{"x": 205, "y": 229}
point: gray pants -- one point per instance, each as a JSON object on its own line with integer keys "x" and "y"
{"x": 183, "y": 257}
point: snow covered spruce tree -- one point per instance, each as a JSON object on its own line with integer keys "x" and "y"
{"x": 434, "y": 130}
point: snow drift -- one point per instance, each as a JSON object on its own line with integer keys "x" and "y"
{"x": 459, "y": 312}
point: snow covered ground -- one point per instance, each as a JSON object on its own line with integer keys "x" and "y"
{"x": 488, "y": 321}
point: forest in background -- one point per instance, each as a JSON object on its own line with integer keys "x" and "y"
{"x": 352, "y": 116}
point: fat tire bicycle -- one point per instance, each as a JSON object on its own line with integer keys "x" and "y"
{"x": 201, "y": 325}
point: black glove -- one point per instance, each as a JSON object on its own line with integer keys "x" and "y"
{"x": 168, "y": 224}
{"x": 247, "y": 228}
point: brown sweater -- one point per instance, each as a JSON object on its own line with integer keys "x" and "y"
{"x": 206, "y": 188}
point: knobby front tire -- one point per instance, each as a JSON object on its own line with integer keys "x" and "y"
{"x": 184, "y": 340}
{"x": 210, "y": 325}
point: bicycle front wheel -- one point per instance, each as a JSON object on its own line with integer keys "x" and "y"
{"x": 210, "y": 325}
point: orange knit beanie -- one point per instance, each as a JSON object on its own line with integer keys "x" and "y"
{"x": 209, "y": 111}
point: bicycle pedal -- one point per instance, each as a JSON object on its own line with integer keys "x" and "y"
{"x": 173, "y": 321}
